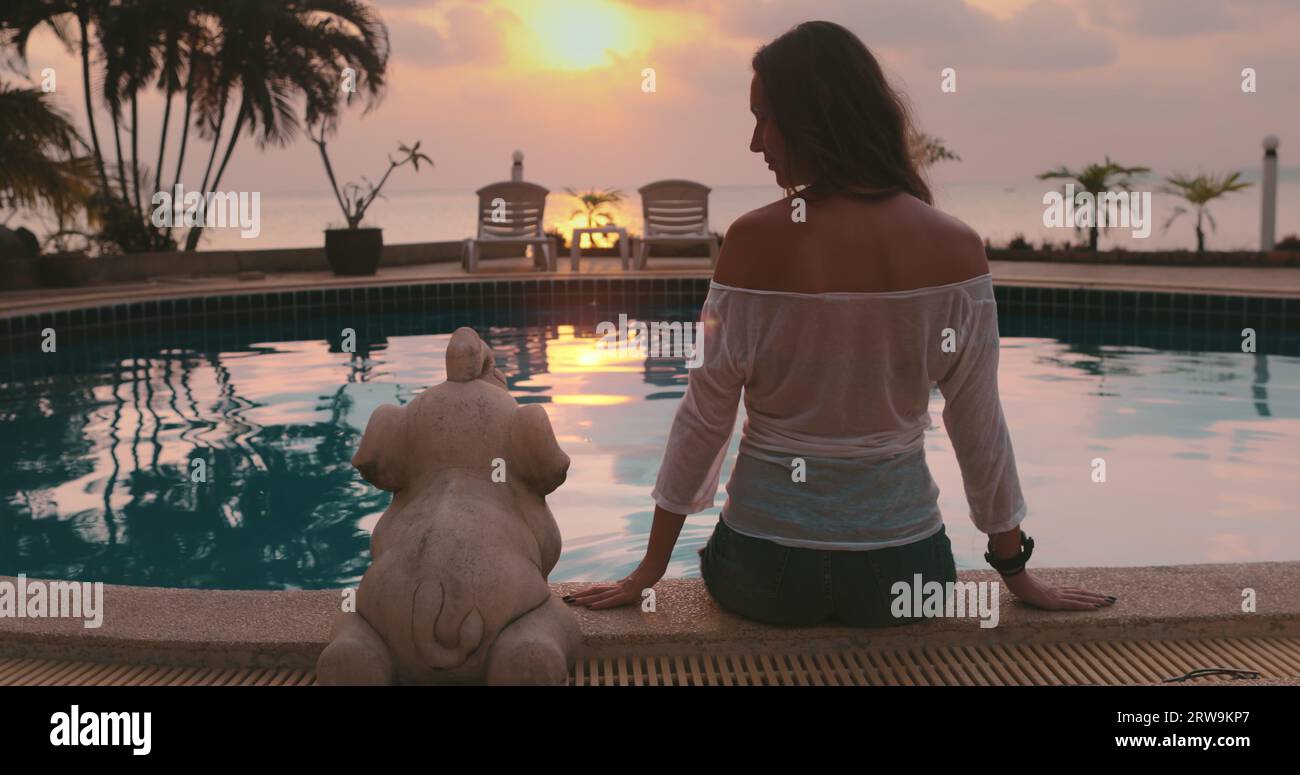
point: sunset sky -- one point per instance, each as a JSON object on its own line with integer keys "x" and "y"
{"x": 1040, "y": 83}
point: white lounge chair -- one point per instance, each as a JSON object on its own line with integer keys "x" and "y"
{"x": 675, "y": 212}
{"x": 510, "y": 213}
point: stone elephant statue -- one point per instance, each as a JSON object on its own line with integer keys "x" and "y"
{"x": 457, "y": 588}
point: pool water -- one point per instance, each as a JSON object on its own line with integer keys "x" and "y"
{"x": 96, "y": 464}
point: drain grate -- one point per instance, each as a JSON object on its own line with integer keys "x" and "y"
{"x": 48, "y": 672}
{"x": 1111, "y": 663}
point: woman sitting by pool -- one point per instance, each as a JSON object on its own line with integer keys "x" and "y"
{"x": 834, "y": 310}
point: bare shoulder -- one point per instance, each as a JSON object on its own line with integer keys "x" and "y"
{"x": 952, "y": 249}
{"x": 849, "y": 245}
{"x": 752, "y": 242}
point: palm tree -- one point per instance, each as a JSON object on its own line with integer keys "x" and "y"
{"x": 39, "y": 153}
{"x": 180, "y": 37}
{"x": 927, "y": 150}
{"x": 120, "y": 37}
{"x": 592, "y": 201}
{"x": 20, "y": 19}
{"x": 1097, "y": 179}
{"x": 274, "y": 51}
{"x": 130, "y": 41}
{"x": 1199, "y": 192}
{"x": 126, "y": 42}
{"x": 261, "y": 56}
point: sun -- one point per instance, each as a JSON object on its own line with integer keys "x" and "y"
{"x": 576, "y": 34}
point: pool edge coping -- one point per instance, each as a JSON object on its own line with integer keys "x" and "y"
{"x": 246, "y": 628}
{"x": 224, "y": 287}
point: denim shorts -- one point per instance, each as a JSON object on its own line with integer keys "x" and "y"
{"x": 785, "y": 585}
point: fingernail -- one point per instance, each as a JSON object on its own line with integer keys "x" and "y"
{"x": 1112, "y": 598}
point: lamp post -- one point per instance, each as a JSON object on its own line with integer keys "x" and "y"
{"x": 1268, "y": 209}
{"x": 517, "y": 169}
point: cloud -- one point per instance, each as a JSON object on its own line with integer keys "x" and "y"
{"x": 1045, "y": 35}
{"x": 655, "y": 5}
{"x": 696, "y": 68}
{"x": 875, "y": 21}
{"x": 1163, "y": 18}
{"x": 468, "y": 35}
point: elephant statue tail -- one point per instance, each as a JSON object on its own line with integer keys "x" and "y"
{"x": 445, "y": 635}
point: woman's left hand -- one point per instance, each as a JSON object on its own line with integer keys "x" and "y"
{"x": 624, "y": 592}
{"x": 1030, "y": 590}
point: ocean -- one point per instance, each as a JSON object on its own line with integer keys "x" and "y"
{"x": 998, "y": 211}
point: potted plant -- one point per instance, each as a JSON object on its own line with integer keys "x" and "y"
{"x": 591, "y": 207}
{"x": 355, "y": 250}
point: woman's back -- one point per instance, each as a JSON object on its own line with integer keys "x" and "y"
{"x": 895, "y": 243}
{"x": 839, "y": 321}
{"x": 835, "y": 329}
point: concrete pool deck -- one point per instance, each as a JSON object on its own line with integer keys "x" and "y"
{"x": 287, "y": 630}
{"x": 1250, "y": 281}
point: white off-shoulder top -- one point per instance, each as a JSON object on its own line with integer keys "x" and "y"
{"x": 837, "y": 389}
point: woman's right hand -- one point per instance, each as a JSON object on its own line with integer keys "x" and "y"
{"x": 1033, "y": 592}
{"x": 626, "y": 591}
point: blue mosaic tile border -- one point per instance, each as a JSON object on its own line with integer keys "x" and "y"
{"x": 1183, "y": 320}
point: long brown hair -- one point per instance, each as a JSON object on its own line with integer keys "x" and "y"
{"x": 845, "y": 127}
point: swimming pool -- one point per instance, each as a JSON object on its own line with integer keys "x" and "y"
{"x": 1199, "y": 439}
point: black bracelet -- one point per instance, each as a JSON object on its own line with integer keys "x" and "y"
{"x": 1011, "y": 566}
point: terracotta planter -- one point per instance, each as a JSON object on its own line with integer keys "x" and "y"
{"x": 64, "y": 270}
{"x": 354, "y": 251}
